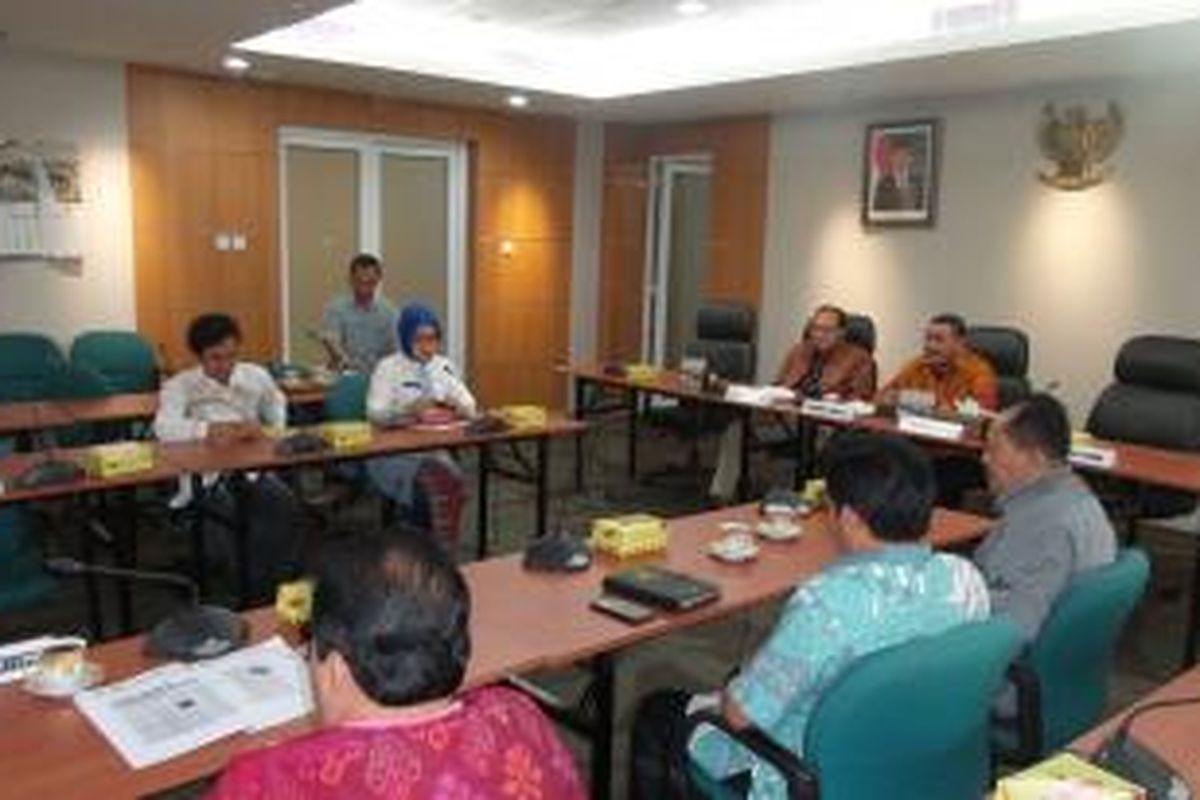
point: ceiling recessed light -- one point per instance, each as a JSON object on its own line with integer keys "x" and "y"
{"x": 235, "y": 64}
{"x": 518, "y": 101}
{"x": 691, "y": 8}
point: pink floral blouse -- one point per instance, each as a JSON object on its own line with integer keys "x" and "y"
{"x": 491, "y": 743}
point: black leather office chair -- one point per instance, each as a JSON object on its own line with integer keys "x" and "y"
{"x": 1007, "y": 349}
{"x": 860, "y": 330}
{"x": 1153, "y": 400}
{"x": 725, "y": 338}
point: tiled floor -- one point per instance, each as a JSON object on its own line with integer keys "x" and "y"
{"x": 1149, "y": 652}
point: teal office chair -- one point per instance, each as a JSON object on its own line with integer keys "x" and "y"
{"x": 346, "y": 400}
{"x": 22, "y": 579}
{"x": 906, "y": 723}
{"x": 1062, "y": 679}
{"x": 123, "y": 360}
{"x": 30, "y": 366}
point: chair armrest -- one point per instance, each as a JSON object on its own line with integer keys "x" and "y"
{"x": 801, "y": 781}
{"x": 1029, "y": 711}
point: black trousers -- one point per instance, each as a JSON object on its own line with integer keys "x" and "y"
{"x": 659, "y": 760}
{"x": 272, "y": 515}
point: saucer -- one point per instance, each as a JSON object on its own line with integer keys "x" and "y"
{"x": 779, "y": 531}
{"x": 90, "y": 674}
{"x": 734, "y": 549}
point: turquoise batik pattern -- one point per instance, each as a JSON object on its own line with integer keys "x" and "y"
{"x": 859, "y": 604}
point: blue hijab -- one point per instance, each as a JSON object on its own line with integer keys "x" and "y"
{"x": 414, "y": 317}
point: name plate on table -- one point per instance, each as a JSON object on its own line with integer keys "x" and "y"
{"x": 933, "y": 428}
{"x": 1089, "y": 456}
{"x": 837, "y": 410}
{"x": 758, "y": 395}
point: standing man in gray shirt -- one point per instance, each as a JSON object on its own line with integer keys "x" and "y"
{"x": 1052, "y": 526}
{"x": 359, "y": 327}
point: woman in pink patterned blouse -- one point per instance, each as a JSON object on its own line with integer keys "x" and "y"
{"x": 390, "y": 648}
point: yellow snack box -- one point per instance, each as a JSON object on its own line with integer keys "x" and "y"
{"x": 346, "y": 435}
{"x": 527, "y": 416}
{"x": 1067, "y": 777}
{"x": 119, "y": 458}
{"x": 293, "y": 602}
{"x": 629, "y": 535}
{"x": 641, "y": 373}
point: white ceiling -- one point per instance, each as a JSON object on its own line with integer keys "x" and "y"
{"x": 195, "y": 34}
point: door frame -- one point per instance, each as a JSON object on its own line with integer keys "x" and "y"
{"x": 371, "y": 148}
{"x": 656, "y": 274}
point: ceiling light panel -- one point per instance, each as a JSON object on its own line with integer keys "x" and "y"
{"x": 612, "y": 48}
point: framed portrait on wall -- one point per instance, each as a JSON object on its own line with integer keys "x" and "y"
{"x": 900, "y": 173}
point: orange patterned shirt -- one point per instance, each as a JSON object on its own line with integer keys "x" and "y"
{"x": 969, "y": 376}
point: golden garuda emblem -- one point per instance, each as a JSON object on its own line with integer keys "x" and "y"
{"x": 1078, "y": 145}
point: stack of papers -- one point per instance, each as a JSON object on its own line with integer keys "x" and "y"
{"x": 759, "y": 395}
{"x": 842, "y": 411}
{"x": 928, "y": 426}
{"x": 178, "y": 708}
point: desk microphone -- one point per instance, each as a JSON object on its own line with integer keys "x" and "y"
{"x": 190, "y": 634}
{"x": 1123, "y": 755}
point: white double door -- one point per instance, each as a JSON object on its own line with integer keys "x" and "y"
{"x": 404, "y": 200}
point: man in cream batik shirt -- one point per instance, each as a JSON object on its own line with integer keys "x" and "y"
{"x": 224, "y": 401}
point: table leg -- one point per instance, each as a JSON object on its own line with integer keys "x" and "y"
{"x": 482, "y": 521}
{"x": 633, "y": 434}
{"x": 199, "y": 551}
{"x": 90, "y": 585}
{"x": 125, "y": 550}
{"x": 604, "y": 689}
{"x": 743, "y": 484}
{"x": 241, "y": 535}
{"x": 1189, "y": 654}
{"x": 543, "y": 484}
{"x": 580, "y": 414}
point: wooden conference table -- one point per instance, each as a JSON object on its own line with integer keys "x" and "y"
{"x": 521, "y": 622}
{"x": 23, "y": 419}
{"x": 174, "y": 460}
{"x": 1150, "y": 466}
{"x": 1171, "y": 469}
{"x": 1172, "y": 733}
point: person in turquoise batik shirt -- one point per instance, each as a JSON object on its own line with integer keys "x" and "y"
{"x": 888, "y": 587}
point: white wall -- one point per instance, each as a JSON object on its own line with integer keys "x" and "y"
{"x": 81, "y": 102}
{"x": 585, "y": 241}
{"x": 1080, "y": 272}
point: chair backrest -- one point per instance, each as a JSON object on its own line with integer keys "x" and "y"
{"x": 860, "y": 331}
{"x": 1073, "y": 653}
{"x": 911, "y": 722}
{"x": 1155, "y": 397}
{"x": 1007, "y": 350}
{"x": 725, "y": 339}
{"x": 346, "y": 400}
{"x": 123, "y": 360}
{"x": 31, "y": 366}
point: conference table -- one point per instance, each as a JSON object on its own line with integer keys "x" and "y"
{"x": 24, "y": 419}
{"x": 1172, "y": 733}
{"x": 175, "y": 460}
{"x": 521, "y": 622}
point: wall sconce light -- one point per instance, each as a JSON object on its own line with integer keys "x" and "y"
{"x": 1078, "y": 145}
{"x": 507, "y": 248}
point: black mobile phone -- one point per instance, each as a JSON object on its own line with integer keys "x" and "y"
{"x": 622, "y": 609}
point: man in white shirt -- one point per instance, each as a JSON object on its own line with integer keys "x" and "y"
{"x": 224, "y": 401}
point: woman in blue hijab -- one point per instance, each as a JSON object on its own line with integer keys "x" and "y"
{"x": 415, "y": 382}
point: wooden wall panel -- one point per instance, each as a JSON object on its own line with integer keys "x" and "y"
{"x": 739, "y": 149}
{"x": 205, "y": 159}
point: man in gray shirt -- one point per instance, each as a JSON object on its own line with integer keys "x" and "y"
{"x": 359, "y": 327}
{"x": 1052, "y": 526}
